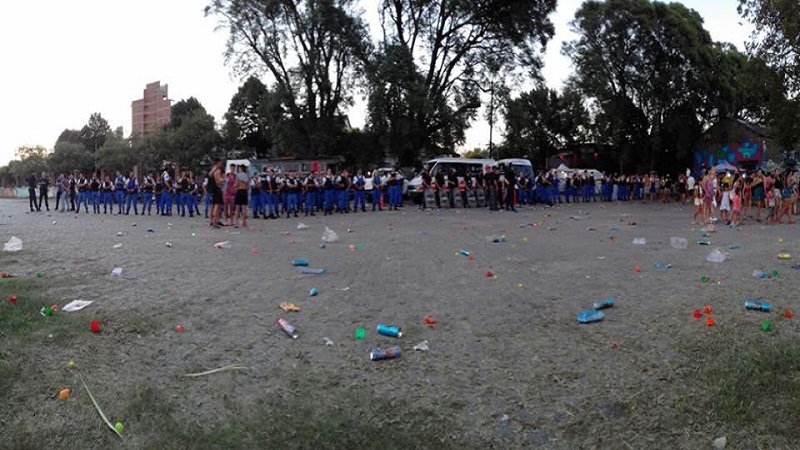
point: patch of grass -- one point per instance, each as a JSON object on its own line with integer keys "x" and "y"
{"x": 24, "y": 318}
{"x": 753, "y": 382}
{"x": 298, "y": 422}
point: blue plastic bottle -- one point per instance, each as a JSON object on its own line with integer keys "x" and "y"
{"x": 663, "y": 266}
{"x": 590, "y": 316}
{"x": 607, "y": 303}
{"x": 759, "y": 274}
{"x": 300, "y": 262}
{"x": 755, "y": 305}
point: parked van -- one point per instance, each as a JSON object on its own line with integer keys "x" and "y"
{"x": 521, "y": 166}
{"x": 384, "y": 173}
{"x": 462, "y": 166}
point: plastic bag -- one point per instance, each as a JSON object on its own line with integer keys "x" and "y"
{"x": 329, "y": 236}
{"x": 13, "y": 245}
{"x": 302, "y": 226}
{"x": 639, "y": 241}
{"x": 679, "y": 243}
{"x": 716, "y": 256}
{"x": 76, "y": 305}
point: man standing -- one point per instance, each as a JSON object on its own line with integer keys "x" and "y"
{"x": 31, "y": 180}
{"x": 359, "y": 196}
{"x": 511, "y": 188}
{"x": 376, "y": 190}
{"x": 44, "y": 188}
{"x": 490, "y": 180}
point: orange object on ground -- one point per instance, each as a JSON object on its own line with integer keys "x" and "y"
{"x": 708, "y": 310}
{"x": 788, "y": 314}
{"x": 429, "y": 321}
{"x": 710, "y": 322}
{"x": 63, "y": 394}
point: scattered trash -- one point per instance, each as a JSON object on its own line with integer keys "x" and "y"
{"x": 300, "y": 262}
{"x": 590, "y": 316}
{"x": 46, "y": 311}
{"x": 709, "y": 229}
{"x": 94, "y": 327}
{"x": 116, "y": 272}
{"x": 12, "y": 299}
{"x": 308, "y": 270}
{"x": 716, "y": 256}
{"x": 734, "y": 246}
{"x": 464, "y": 253}
{"x": 391, "y": 353}
{"x": 118, "y": 427}
{"x": 322, "y": 245}
{"x": 576, "y": 217}
{"x": 288, "y": 328}
{"x": 755, "y": 305}
{"x": 150, "y": 230}
{"x": 63, "y": 394}
{"x": 223, "y": 244}
{"x": 327, "y": 342}
{"x": 168, "y": 244}
{"x": 607, "y": 303}
{"x": 179, "y": 329}
{"x": 704, "y": 279}
{"x": 346, "y": 288}
{"x": 119, "y": 233}
{"x": 302, "y": 226}
{"x": 784, "y": 256}
{"x": 349, "y": 230}
{"x": 6, "y": 275}
{"x": 329, "y": 236}
{"x": 422, "y": 346}
{"x": 71, "y": 365}
{"x": 429, "y": 321}
{"x": 496, "y": 238}
{"x": 678, "y": 243}
{"x": 118, "y": 245}
{"x": 766, "y": 326}
{"x": 639, "y": 241}
{"x": 761, "y": 274}
{"x": 637, "y": 269}
{"x": 13, "y": 245}
{"x": 360, "y": 334}
{"x": 213, "y": 371}
{"x": 313, "y": 292}
{"x": 390, "y": 331}
{"x": 254, "y": 251}
{"x": 289, "y": 307}
{"x": 708, "y": 310}
{"x": 489, "y": 274}
{"x": 704, "y": 242}
{"x": 115, "y": 429}
{"x": 663, "y": 266}
{"x": 788, "y": 314}
{"x": 720, "y": 443}
{"x": 710, "y": 322}
{"x": 697, "y": 314}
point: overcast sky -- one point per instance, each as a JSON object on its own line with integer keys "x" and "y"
{"x": 63, "y": 61}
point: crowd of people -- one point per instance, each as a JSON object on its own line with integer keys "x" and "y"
{"x": 229, "y": 197}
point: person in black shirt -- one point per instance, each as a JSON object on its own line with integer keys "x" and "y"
{"x": 439, "y": 178}
{"x": 44, "y": 187}
{"x": 490, "y": 180}
{"x": 31, "y": 180}
{"x": 511, "y": 188}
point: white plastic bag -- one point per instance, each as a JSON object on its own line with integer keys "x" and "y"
{"x": 76, "y": 305}
{"x": 13, "y": 245}
{"x": 639, "y": 241}
{"x": 679, "y": 242}
{"x": 302, "y": 226}
{"x": 117, "y": 272}
{"x": 329, "y": 236}
{"x": 716, "y": 256}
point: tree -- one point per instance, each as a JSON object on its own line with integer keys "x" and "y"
{"x": 69, "y": 156}
{"x": 30, "y": 159}
{"x": 777, "y": 36}
{"x": 252, "y": 123}
{"x": 542, "y": 121}
{"x": 191, "y": 140}
{"x": 311, "y": 48}
{"x": 640, "y": 63}
{"x": 94, "y": 133}
{"x": 451, "y": 44}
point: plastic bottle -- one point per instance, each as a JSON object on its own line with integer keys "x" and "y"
{"x": 759, "y": 274}
{"x": 389, "y": 353}
{"x": 590, "y": 316}
{"x": 309, "y": 270}
{"x": 288, "y": 328}
{"x": 390, "y": 331}
{"x": 755, "y": 305}
{"x": 463, "y": 252}
{"x": 704, "y": 242}
{"x": 313, "y": 292}
{"x": 663, "y": 266}
{"x": 607, "y": 303}
{"x": 300, "y": 262}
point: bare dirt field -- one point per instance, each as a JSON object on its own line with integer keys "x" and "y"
{"x": 508, "y": 365}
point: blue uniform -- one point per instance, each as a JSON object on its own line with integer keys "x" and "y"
{"x": 311, "y": 194}
{"x": 132, "y": 196}
{"x": 359, "y": 196}
{"x": 376, "y": 191}
{"x": 119, "y": 192}
{"x": 147, "y": 195}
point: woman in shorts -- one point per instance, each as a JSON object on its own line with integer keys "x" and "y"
{"x": 788, "y": 198}
{"x": 229, "y": 193}
{"x": 241, "y": 184}
{"x": 698, "y": 202}
{"x": 757, "y": 187}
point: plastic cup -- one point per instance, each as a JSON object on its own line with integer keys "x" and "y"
{"x": 361, "y": 334}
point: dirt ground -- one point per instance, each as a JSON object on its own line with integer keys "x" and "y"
{"x": 508, "y": 366}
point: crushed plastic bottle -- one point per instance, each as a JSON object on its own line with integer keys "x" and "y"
{"x": 300, "y": 262}
{"x": 590, "y": 316}
{"x": 607, "y": 303}
{"x": 755, "y": 305}
{"x": 704, "y": 242}
{"x": 663, "y": 266}
{"x": 288, "y": 328}
{"x": 679, "y": 243}
{"x": 313, "y": 292}
{"x": 760, "y": 274}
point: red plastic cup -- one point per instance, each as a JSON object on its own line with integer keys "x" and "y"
{"x": 94, "y": 326}
{"x": 489, "y": 274}
{"x": 12, "y": 299}
{"x": 697, "y": 314}
{"x": 179, "y": 329}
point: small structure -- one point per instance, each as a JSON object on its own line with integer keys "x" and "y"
{"x": 741, "y": 144}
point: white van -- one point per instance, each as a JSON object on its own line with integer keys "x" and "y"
{"x": 520, "y": 166}
{"x": 463, "y": 166}
{"x": 384, "y": 173}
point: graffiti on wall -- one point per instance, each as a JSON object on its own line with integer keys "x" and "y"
{"x": 733, "y": 154}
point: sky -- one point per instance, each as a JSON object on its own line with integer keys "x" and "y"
{"x": 62, "y": 61}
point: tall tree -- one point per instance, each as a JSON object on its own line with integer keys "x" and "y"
{"x": 70, "y": 156}
{"x": 253, "y": 121}
{"x": 642, "y": 59}
{"x": 94, "y": 133}
{"x": 191, "y": 139}
{"x": 451, "y": 44}
{"x": 311, "y": 48}
{"x": 777, "y": 36}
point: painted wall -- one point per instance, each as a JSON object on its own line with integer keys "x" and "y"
{"x": 732, "y": 153}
